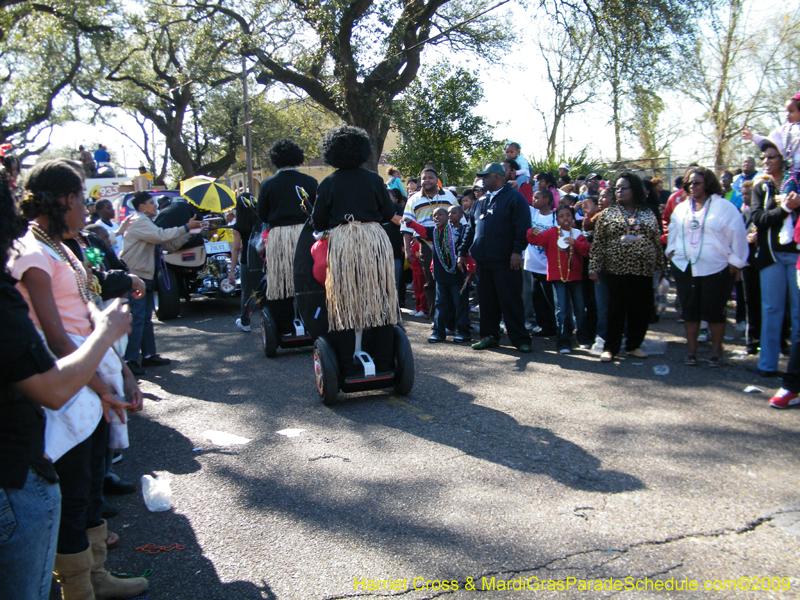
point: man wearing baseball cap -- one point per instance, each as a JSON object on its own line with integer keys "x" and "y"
{"x": 495, "y": 238}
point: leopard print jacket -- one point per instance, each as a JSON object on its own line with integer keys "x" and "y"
{"x": 610, "y": 254}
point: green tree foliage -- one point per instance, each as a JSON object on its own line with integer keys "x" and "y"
{"x": 638, "y": 42}
{"x": 180, "y": 73}
{"x": 579, "y": 164}
{"x": 354, "y": 57}
{"x": 436, "y": 118}
{"x": 41, "y": 52}
{"x": 645, "y": 123}
{"x": 749, "y": 68}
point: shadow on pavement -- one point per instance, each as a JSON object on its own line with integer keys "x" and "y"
{"x": 178, "y": 574}
{"x": 496, "y": 437}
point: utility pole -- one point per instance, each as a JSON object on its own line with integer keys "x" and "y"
{"x": 248, "y": 149}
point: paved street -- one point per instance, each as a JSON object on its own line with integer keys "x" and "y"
{"x": 521, "y": 468}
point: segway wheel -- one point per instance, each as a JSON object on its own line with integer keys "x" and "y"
{"x": 269, "y": 334}
{"x": 403, "y": 363}
{"x": 326, "y": 371}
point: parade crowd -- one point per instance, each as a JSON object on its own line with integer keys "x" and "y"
{"x": 581, "y": 261}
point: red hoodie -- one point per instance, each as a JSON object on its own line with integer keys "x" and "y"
{"x": 549, "y": 241}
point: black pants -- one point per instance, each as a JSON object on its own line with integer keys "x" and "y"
{"x": 80, "y": 473}
{"x": 631, "y": 299}
{"x": 378, "y": 342}
{"x": 544, "y": 304}
{"x": 283, "y": 313}
{"x": 752, "y": 295}
{"x": 500, "y": 297}
{"x": 587, "y": 333}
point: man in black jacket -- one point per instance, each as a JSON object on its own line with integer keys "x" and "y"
{"x": 495, "y": 238}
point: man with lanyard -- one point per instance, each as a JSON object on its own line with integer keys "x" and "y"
{"x": 420, "y": 208}
{"x": 748, "y": 173}
{"x": 495, "y": 238}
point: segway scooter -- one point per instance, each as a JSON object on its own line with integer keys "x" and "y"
{"x": 271, "y": 340}
{"x": 311, "y": 304}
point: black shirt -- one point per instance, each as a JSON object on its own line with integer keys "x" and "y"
{"x": 286, "y": 198}
{"x": 24, "y": 355}
{"x": 395, "y": 236}
{"x": 355, "y": 192}
{"x": 177, "y": 214}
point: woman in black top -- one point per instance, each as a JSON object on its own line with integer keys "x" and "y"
{"x": 352, "y": 203}
{"x": 30, "y": 376}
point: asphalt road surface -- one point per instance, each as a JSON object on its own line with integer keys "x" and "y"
{"x": 521, "y": 476}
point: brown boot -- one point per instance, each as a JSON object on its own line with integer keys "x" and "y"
{"x": 72, "y": 572}
{"x": 106, "y": 585}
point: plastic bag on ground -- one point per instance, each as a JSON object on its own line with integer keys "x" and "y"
{"x": 157, "y": 493}
{"x": 654, "y": 346}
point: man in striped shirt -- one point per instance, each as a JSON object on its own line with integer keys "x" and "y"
{"x": 420, "y": 208}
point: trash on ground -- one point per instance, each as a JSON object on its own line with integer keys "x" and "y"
{"x": 220, "y": 438}
{"x": 661, "y": 370}
{"x": 290, "y": 432}
{"x": 751, "y": 389}
{"x": 654, "y": 346}
{"x": 157, "y": 493}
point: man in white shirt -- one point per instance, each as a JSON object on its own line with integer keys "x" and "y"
{"x": 420, "y": 208}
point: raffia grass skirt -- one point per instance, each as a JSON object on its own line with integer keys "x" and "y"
{"x": 360, "y": 287}
{"x": 279, "y": 258}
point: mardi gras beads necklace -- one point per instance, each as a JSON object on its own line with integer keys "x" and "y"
{"x": 693, "y": 225}
{"x": 69, "y": 258}
{"x": 446, "y": 249}
{"x": 569, "y": 251}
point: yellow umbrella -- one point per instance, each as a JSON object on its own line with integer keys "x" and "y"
{"x": 206, "y": 194}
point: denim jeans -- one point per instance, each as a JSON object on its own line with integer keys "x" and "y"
{"x": 28, "y": 532}
{"x": 142, "y": 336}
{"x": 569, "y": 300}
{"x": 776, "y": 280}
{"x": 450, "y": 304}
{"x": 601, "y": 296}
{"x": 527, "y": 296}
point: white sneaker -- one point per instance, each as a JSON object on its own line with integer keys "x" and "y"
{"x": 565, "y": 351}
{"x": 242, "y": 327}
{"x": 536, "y": 329}
{"x": 703, "y": 336}
{"x": 528, "y": 325}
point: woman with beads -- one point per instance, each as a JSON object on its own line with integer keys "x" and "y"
{"x": 627, "y": 247}
{"x": 707, "y": 245}
{"x": 59, "y": 292}
{"x": 774, "y": 212}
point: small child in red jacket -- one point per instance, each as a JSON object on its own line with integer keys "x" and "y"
{"x": 565, "y": 248}
{"x": 418, "y": 275}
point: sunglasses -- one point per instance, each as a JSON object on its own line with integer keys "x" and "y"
{"x": 770, "y": 156}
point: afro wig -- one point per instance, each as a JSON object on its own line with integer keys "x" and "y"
{"x": 285, "y": 153}
{"x": 346, "y": 147}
